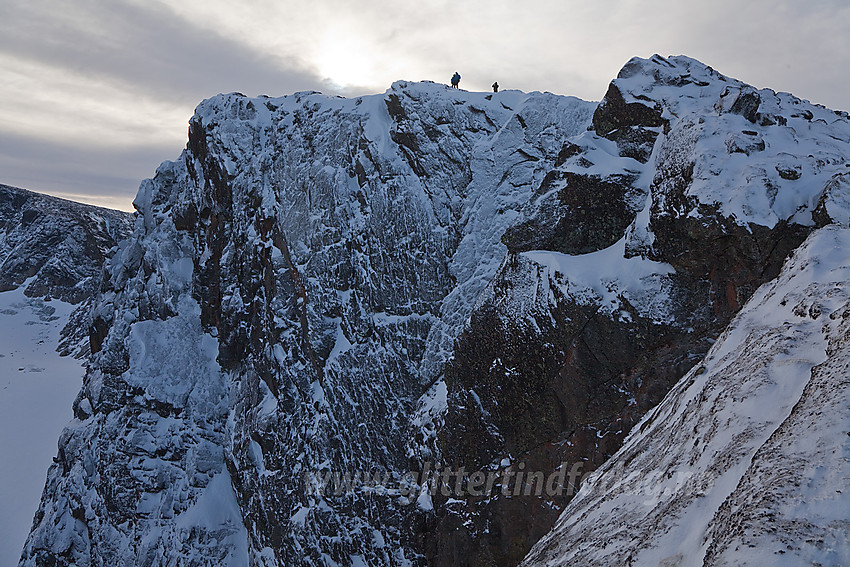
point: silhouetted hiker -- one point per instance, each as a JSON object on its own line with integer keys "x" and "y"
{"x": 456, "y": 80}
{"x": 495, "y": 87}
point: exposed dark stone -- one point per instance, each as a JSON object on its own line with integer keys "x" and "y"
{"x": 614, "y": 113}
{"x": 789, "y": 173}
{"x": 837, "y": 187}
{"x": 634, "y": 142}
{"x": 628, "y": 124}
{"x": 590, "y": 213}
{"x": 766, "y": 120}
{"x": 550, "y": 393}
{"x": 565, "y": 383}
{"x": 97, "y": 332}
{"x": 747, "y": 104}
{"x": 394, "y": 107}
{"x": 569, "y": 150}
{"x": 733, "y": 259}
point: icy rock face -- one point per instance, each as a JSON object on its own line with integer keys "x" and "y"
{"x": 293, "y": 283}
{"x": 56, "y": 246}
{"x": 604, "y": 302}
{"x": 745, "y": 460}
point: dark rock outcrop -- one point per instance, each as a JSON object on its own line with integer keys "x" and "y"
{"x": 589, "y": 214}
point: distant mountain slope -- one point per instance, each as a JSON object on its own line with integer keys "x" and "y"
{"x": 745, "y": 462}
{"x": 57, "y": 248}
{"x": 60, "y": 244}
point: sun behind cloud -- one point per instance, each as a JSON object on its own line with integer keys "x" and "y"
{"x": 346, "y": 60}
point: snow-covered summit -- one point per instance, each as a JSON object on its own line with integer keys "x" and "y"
{"x": 763, "y": 157}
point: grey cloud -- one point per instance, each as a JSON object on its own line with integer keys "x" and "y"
{"x": 103, "y": 173}
{"x": 145, "y": 48}
{"x": 565, "y": 47}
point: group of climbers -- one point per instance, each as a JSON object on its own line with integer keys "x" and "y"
{"x": 456, "y": 82}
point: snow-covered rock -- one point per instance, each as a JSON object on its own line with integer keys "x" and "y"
{"x": 329, "y": 251}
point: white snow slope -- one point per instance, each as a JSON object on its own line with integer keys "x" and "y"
{"x": 37, "y": 387}
{"x": 747, "y": 459}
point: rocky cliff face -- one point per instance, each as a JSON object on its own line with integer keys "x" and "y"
{"x": 290, "y": 290}
{"x": 425, "y": 279}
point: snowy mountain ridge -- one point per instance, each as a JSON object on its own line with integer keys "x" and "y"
{"x": 631, "y": 258}
{"x": 411, "y": 281}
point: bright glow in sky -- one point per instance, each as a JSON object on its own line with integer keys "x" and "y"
{"x": 344, "y": 59}
{"x": 96, "y": 93}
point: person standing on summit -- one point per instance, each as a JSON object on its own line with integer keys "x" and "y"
{"x": 456, "y": 80}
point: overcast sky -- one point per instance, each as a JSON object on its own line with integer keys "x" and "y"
{"x": 96, "y": 93}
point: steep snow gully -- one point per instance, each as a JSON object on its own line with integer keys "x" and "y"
{"x": 400, "y": 329}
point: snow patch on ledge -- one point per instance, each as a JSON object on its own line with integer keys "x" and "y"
{"x": 173, "y": 360}
{"x": 606, "y": 276}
